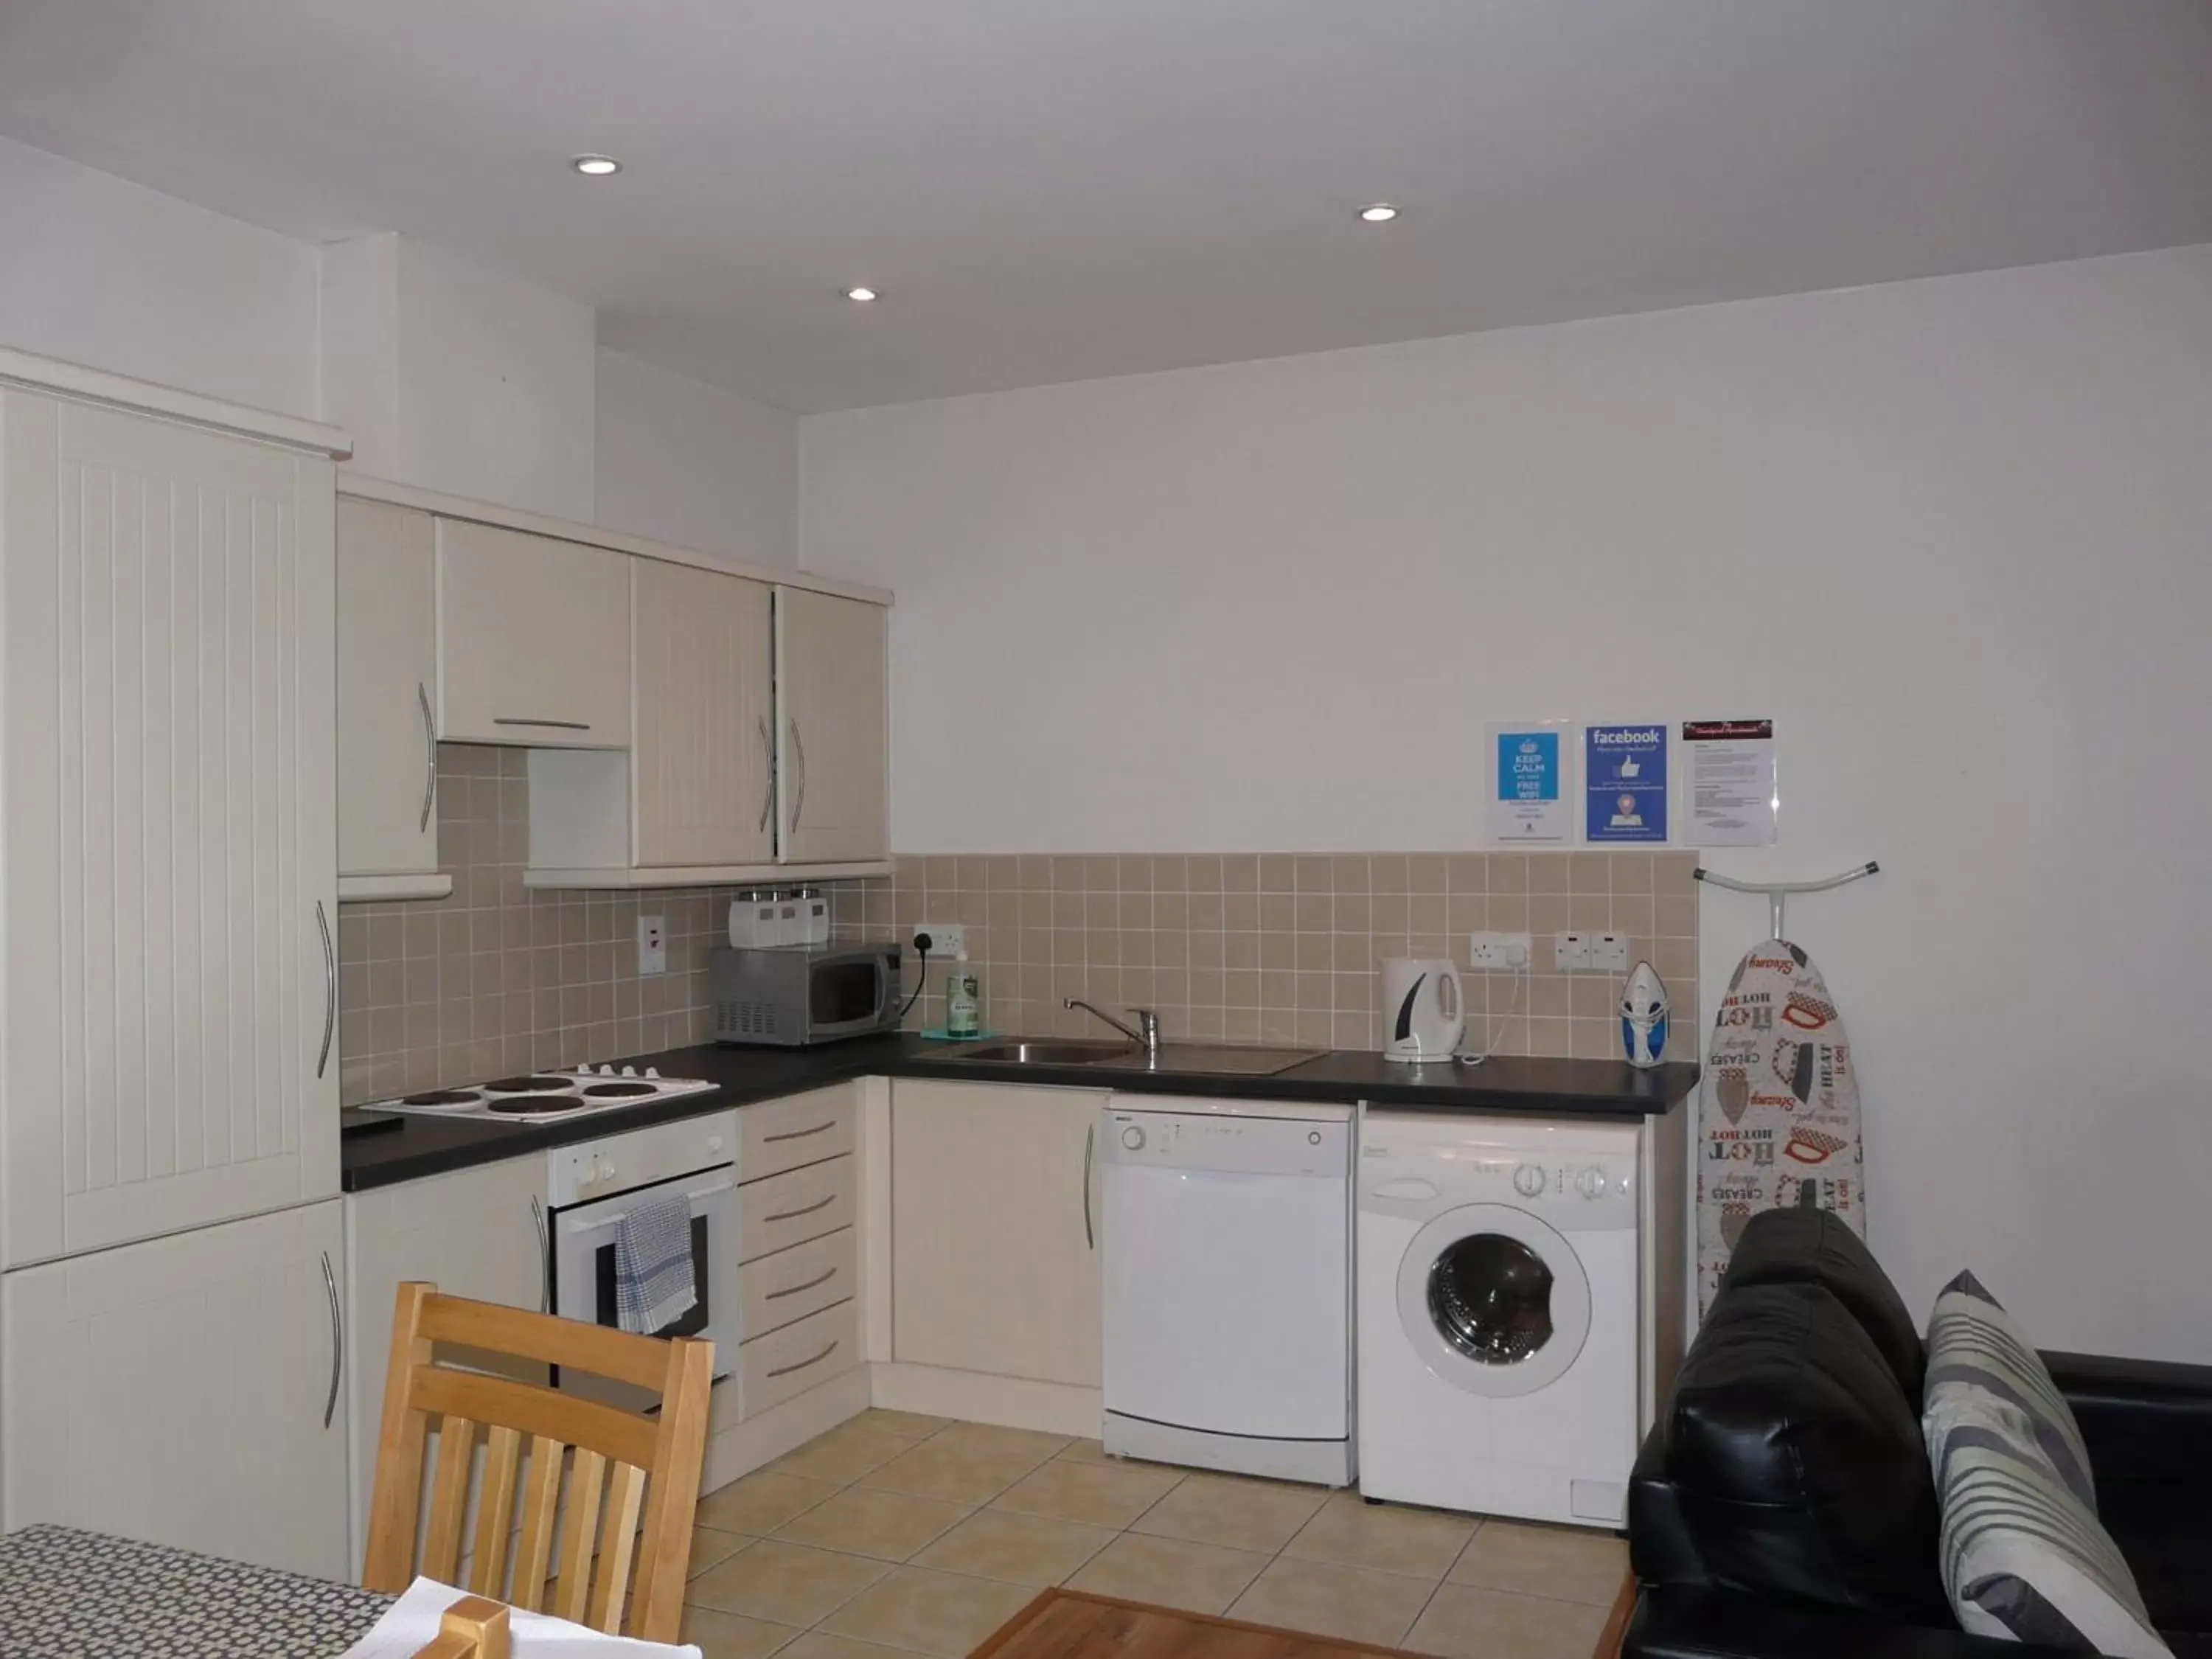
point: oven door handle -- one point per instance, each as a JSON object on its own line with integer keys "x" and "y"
{"x": 598, "y": 1222}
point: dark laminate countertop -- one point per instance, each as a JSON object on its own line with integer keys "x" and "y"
{"x": 1599, "y": 1089}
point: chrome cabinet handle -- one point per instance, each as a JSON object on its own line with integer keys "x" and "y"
{"x": 1090, "y": 1236}
{"x": 799, "y": 1134}
{"x": 557, "y": 726}
{"x": 545, "y": 1257}
{"x": 330, "y": 989}
{"x": 430, "y": 758}
{"x": 785, "y": 1371}
{"x": 793, "y": 1215}
{"x": 337, "y": 1340}
{"x": 778, "y": 1296}
{"x": 768, "y": 780}
{"x": 798, "y": 759}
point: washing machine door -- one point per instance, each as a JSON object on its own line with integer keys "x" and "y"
{"x": 1494, "y": 1300}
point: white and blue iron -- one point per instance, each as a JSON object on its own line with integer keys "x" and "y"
{"x": 1643, "y": 1017}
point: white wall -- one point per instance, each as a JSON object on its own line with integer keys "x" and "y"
{"x": 101, "y": 271}
{"x": 1952, "y": 535}
{"x": 695, "y": 465}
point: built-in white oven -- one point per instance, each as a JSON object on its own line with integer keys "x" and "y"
{"x": 594, "y": 1184}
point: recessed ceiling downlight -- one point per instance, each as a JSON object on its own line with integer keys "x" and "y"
{"x": 596, "y": 167}
{"x": 860, "y": 295}
{"x": 1377, "y": 213}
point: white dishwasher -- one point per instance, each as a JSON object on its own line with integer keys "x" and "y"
{"x": 1228, "y": 1242}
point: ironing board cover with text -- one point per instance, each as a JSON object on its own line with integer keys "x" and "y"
{"x": 1778, "y": 1119}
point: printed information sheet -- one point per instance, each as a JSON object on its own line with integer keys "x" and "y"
{"x": 1734, "y": 799}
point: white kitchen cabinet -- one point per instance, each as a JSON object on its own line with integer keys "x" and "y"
{"x": 387, "y": 656}
{"x": 995, "y": 1218}
{"x": 833, "y": 730}
{"x": 184, "y": 1392}
{"x": 533, "y": 639}
{"x": 477, "y": 1232}
{"x": 167, "y": 844}
{"x": 703, "y": 756}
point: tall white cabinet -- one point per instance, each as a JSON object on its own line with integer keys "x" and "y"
{"x": 167, "y": 839}
{"x": 186, "y": 1391}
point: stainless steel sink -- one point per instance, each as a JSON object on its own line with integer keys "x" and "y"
{"x": 1207, "y": 1059}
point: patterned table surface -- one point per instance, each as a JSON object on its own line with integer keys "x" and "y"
{"x": 71, "y": 1595}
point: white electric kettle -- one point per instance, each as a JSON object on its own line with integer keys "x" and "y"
{"x": 1423, "y": 1008}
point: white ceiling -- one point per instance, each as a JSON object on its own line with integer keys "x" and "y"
{"x": 1050, "y": 190}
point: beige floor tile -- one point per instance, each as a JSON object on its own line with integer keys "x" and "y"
{"x": 729, "y": 1636}
{"x": 1353, "y": 1532}
{"x": 1032, "y": 1443}
{"x": 1326, "y": 1600}
{"x": 1021, "y": 1549}
{"x": 860, "y": 1521}
{"x": 945, "y": 1614}
{"x": 1085, "y": 1451}
{"x": 710, "y": 1545}
{"x": 1097, "y": 1494}
{"x": 1464, "y": 1622}
{"x": 821, "y": 1644}
{"x": 1170, "y": 1572}
{"x": 787, "y": 1584}
{"x": 953, "y": 1471}
{"x": 762, "y": 1502}
{"x": 1566, "y": 1562}
{"x": 1231, "y": 1510}
{"x": 912, "y": 1424}
{"x": 844, "y": 1454}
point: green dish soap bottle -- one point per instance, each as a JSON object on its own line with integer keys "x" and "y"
{"x": 962, "y": 1016}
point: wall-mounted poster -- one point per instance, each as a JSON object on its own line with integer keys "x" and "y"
{"x": 1624, "y": 784}
{"x": 1528, "y": 799}
{"x": 1730, "y": 790}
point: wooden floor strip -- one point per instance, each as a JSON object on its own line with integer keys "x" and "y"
{"x": 1064, "y": 1624}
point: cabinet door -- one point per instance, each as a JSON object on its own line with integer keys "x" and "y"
{"x": 533, "y": 639}
{"x": 703, "y": 753}
{"x": 171, "y": 853}
{"x": 831, "y": 681}
{"x": 994, "y": 1230}
{"x": 476, "y": 1232}
{"x": 387, "y": 648}
{"x": 184, "y": 1392}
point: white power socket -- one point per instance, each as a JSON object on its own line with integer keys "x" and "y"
{"x": 1604, "y": 953}
{"x": 1499, "y": 953}
{"x": 652, "y": 946}
{"x": 946, "y": 939}
{"x": 1609, "y": 952}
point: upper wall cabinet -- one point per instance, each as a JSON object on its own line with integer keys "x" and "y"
{"x": 387, "y": 645}
{"x": 533, "y": 639}
{"x": 170, "y": 874}
{"x": 702, "y": 756}
{"x": 833, "y": 728}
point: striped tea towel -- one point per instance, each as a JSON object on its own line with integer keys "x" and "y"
{"x": 654, "y": 1286}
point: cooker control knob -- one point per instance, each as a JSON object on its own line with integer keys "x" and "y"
{"x": 1590, "y": 1183}
{"x": 1132, "y": 1137}
{"x": 606, "y": 1169}
{"x": 1529, "y": 1180}
{"x": 714, "y": 1143}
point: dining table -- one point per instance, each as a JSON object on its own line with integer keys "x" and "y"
{"x": 68, "y": 1593}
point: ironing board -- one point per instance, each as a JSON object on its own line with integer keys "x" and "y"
{"x": 1778, "y": 1119}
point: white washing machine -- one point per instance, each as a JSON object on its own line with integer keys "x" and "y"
{"x": 1497, "y": 1307}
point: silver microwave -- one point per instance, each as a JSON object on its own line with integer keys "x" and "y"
{"x": 793, "y": 996}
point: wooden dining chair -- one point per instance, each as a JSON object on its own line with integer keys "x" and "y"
{"x": 636, "y": 1467}
{"x": 472, "y": 1628}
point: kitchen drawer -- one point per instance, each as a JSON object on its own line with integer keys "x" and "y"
{"x": 792, "y": 1283}
{"x": 782, "y": 1135}
{"x": 795, "y": 1207}
{"x": 799, "y": 1357}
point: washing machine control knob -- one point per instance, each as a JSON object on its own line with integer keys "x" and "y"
{"x": 1529, "y": 1180}
{"x": 1590, "y": 1183}
{"x": 1132, "y": 1137}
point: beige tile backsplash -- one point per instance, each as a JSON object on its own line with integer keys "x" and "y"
{"x": 1277, "y": 947}
{"x": 1250, "y": 947}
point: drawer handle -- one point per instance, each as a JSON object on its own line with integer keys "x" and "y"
{"x": 778, "y": 1296}
{"x": 793, "y": 1215}
{"x": 798, "y": 1134}
{"x": 557, "y": 726}
{"x": 785, "y": 1371}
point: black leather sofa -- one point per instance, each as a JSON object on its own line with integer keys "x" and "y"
{"x": 1783, "y": 1504}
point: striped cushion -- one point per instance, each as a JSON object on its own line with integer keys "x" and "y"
{"x": 2024, "y": 1557}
